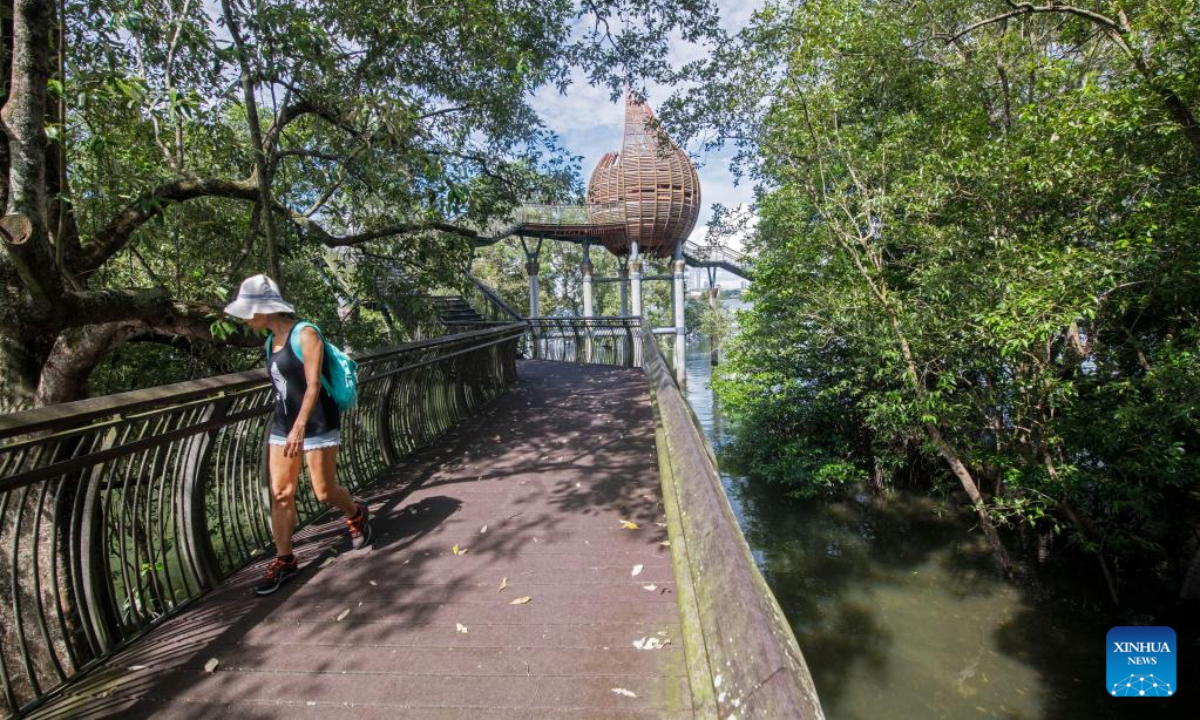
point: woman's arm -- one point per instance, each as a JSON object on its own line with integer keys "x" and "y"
{"x": 314, "y": 352}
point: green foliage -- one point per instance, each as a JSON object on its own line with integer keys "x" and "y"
{"x": 991, "y": 234}
{"x": 379, "y": 117}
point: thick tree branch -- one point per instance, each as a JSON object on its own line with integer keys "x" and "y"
{"x": 78, "y": 351}
{"x": 96, "y": 307}
{"x": 294, "y": 111}
{"x": 111, "y": 239}
{"x": 319, "y": 234}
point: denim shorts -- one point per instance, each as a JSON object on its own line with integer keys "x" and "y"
{"x": 332, "y": 438}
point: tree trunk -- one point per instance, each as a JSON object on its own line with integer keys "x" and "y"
{"x": 24, "y": 117}
{"x": 20, "y": 368}
{"x": 75, "y": 354}
{"x": 948, "y": 453}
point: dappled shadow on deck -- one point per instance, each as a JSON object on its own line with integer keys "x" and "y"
{"x": 534, "y": 489}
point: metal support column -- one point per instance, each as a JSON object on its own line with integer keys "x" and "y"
{"x": 635, "y": 277}
{"x": 623, "y": 283}
{"x": 680, "y": 323}
{"x": 714, "y": 293}
{"x": 586, "y": 267}
{"x": 531, "y": 269}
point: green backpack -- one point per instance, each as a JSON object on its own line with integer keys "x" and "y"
{"x": 342, "y": 380}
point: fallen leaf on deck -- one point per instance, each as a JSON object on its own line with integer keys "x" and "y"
{"x": 521, "y": 600}
{"x": 327, "y": 563}
{"x": 629, "y": 525}
{"x": 648, "y": 643}
{"x": 459, "y": 627}
{"x": 137, "y": 667}
{"x": 372, "y": 582}
{"x": 457, "y": 550}
{"x": 483, "y": 529}
{"x": 211, "y": 665}
{"x": 637, "y": 570}
{"x": 623, "y": 692}
{"x": 661, "y": 524}
{"x": 343, "y": 615}
{"x": 666, "y": 543}
{"x": 651, "y": 588}
{"x": 503, "y": 584}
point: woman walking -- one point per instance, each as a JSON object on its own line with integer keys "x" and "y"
{"x": 305, "y": 424}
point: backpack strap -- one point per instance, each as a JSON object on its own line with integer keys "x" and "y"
{"x": 267, "y": 346}
{"x": 295, "y": 336}
{"x": 294, "y": 339}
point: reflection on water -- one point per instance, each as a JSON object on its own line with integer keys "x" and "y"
{"x": 901, "y": 614}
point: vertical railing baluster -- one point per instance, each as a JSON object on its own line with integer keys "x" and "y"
{"x": 91, "y": 549}
{"x": 10, "y": 695}
{"x": 194, "y": 494}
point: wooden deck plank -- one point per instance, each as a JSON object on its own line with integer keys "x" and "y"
{"x": 551, "y": 469}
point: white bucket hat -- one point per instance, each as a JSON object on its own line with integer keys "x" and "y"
{"x": 258, "y": 295}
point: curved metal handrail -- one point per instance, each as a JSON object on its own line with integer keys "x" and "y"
{"x": 490, "y": 304}
{"x": 115, "y": 512}
{"x": 599, "y": 341}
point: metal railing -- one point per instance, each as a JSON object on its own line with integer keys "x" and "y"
{"x": 565, "y": 217}
{"x": 743, "y": 659}
{"x": 115, "y": 512}
{"x": 598, "y": 341}
{"x": 487, "y": 303}
{"x": 717, "y": 256}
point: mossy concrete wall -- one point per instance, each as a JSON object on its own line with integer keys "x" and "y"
{"x": 743, "y": 659}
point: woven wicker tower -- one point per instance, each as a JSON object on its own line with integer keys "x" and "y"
{"x": 651, "y": 185}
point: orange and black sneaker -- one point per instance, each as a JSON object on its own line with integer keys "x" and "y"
{"x": 278, "y": 571}
{"x": 360, "y": 527}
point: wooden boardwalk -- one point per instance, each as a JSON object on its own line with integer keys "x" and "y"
{"x": 534, "y": 490}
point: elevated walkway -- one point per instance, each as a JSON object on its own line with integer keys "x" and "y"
{"x": 598, "y": 222}
{"x": 550, "y": 470}
{"x": 132, "y": 525}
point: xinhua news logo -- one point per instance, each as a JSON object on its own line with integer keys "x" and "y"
{"x": 1141, "y": 662}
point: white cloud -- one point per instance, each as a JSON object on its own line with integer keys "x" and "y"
{"x": 590, "y": 124}
{"x": 583, "y": 107}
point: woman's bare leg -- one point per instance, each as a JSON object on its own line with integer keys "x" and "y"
{"x": 322, "y": 468}
{"x": 285, "y": 474}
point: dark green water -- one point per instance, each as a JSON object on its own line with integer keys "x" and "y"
{"x": 901, "y": 613}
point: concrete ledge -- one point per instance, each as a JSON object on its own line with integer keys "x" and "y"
{"x": 743, "y": 659}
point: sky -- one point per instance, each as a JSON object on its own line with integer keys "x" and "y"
{"x": 589, "y": 124}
